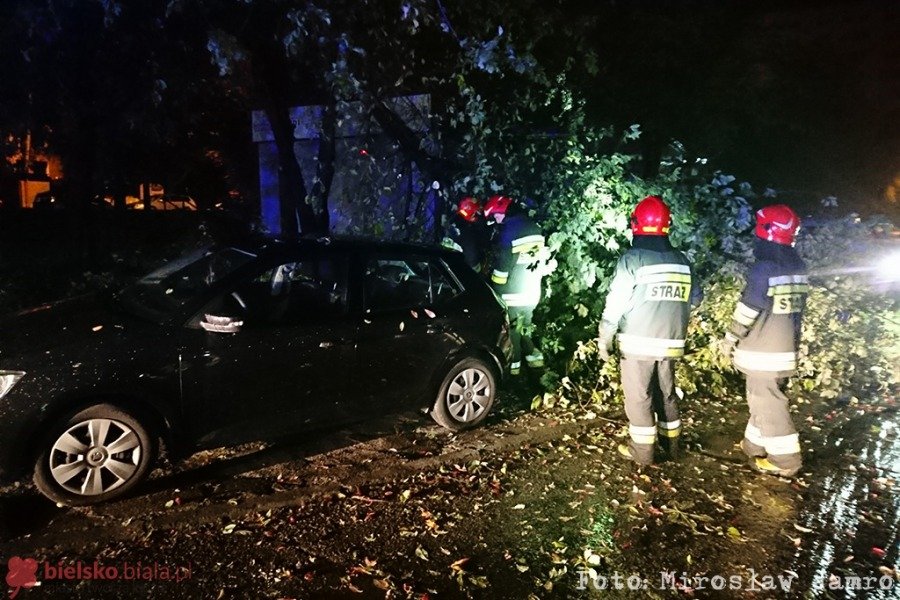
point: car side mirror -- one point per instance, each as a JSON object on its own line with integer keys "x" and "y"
{"x": 216, "y": 324}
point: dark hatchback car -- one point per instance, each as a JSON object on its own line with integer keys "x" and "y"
{"x": 240, "y": 343}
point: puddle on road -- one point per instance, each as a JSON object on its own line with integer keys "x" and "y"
{"x": 853, "y": 510}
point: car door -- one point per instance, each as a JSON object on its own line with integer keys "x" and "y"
{"x": 404, "y": 333}
{"x": 274, "y": 352}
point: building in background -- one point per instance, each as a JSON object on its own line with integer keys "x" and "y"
{"x": 26, "y": 172}
{"x": 375, "y": 190}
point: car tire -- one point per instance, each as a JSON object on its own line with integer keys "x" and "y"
{"x": 466, "y": 395}
{"x": 93, "y": 455}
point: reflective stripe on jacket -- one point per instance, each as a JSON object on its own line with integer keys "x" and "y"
{"x": 767, "y": 320}
{"x": 649, "y": 301}
{"x": 520, "y": 256}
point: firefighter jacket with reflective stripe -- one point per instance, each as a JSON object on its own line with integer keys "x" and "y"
{"x": 519, "y": 261}
{"x": 767, "y": 319}
{"x": 649, "y": 300}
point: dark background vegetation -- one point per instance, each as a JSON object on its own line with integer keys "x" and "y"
{"x": 798, "y": 96}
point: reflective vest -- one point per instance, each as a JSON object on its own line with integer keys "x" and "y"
{"x": 767, "y": 319}
{"x": 519, "y": 262}
{"x": 650, "y": 299}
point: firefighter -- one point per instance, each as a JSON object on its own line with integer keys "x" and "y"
{"x": 520, "y": 259}
{"x": 649, "y": 301}
{"x": 764, "y": 338}
{"x": 468, "y": 232}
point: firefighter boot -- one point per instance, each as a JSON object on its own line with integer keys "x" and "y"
{"x": 763, "y": 465}
{"x": 669, "y": 433}
{"x": 753, "y": 444}
{"x": 535, "y": 360}
{"x": 752, "y": 450}
{"x": 640, "y": 454}
{"x": 671, "y": 446}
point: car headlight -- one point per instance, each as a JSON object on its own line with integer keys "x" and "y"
{"x": 8, "y": 379}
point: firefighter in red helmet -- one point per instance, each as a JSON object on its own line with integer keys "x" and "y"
{"x": 469, "y": 209}
{"x": 467, "y": 232}
{"x": 764, "y": 338}
{"x": 496, "y": 208}
{"x": 519, "y": 261}
{"x": 649, "y": 301}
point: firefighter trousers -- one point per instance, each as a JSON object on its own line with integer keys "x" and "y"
{"x": 770, "y": 431}
{"x": 651, "y": 404}
{"x": 520, "y": 326}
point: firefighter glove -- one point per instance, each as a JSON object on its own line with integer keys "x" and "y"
{"x": 605, "y": 340}
{"x": 729, "y": 344}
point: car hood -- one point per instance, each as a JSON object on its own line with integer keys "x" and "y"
{"x": 82, "y": 320}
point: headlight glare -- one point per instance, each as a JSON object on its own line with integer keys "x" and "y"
{"x": 889, "y": 268}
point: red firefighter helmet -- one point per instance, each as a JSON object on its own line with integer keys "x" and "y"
{"x": 468, "y": 209}
{"x": 651, "y": 217}
{"x": 777, "y": 223}
{"x": 497, "y": 205}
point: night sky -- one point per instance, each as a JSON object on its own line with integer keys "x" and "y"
{"x": 844, "y": 138}
{"x": 800, "y": 96}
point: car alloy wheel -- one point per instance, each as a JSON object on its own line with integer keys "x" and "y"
{"x": 466, "y": 395}
{"x": 97, "y": 454}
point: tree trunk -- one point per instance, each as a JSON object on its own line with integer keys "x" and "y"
{"x": 324, "y": 168}
{"x": 296, "y": 215}
{"x": 78, "y": 162}
{"x": 271, "y": 72}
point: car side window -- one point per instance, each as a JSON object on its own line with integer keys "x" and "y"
{"x": 303, "y": 290}
{"x": 308, "y": 289}
{"x": 393, "y": 283}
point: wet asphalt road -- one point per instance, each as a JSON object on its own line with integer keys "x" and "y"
{"x": 853, "y": 511}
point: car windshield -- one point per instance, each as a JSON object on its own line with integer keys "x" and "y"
{"x": 165, "y": 291}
